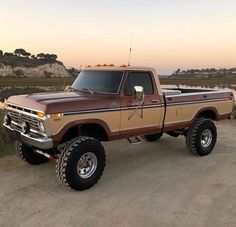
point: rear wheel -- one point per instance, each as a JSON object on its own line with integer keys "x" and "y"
{"x": 153, "y": 137}
{"x": 201, "y": 137}
{"x": 81, "y": 163}
{"x": 28, "y": 155}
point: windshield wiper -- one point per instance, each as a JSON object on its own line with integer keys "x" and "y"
{"x": 87, "y": 89}
{"x": 69, "y": 88}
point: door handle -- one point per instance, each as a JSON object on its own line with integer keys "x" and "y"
{"x": 154, "y": 100}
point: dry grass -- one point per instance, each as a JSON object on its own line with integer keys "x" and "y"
{"x": 12, "y": 81}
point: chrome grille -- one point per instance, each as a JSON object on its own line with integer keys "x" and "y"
{"x": 22, "y": 109}
{"x": 19, "y": 118}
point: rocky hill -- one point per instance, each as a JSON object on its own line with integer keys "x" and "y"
{"x": 23, "y": 64}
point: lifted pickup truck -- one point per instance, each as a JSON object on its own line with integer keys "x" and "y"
{"x": 106, "y": 104}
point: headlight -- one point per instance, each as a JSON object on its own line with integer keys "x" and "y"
{"x": 41, "y": 126}
{"x": 7, "y": 119}
{"x": 25, "y": 127}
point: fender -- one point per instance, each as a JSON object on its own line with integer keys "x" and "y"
{"x": 57, "y": 137}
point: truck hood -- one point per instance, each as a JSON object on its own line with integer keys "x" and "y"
{"x": 60, "y": 102}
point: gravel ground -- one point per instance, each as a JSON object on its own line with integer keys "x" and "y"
{"x": 152, "y": 184}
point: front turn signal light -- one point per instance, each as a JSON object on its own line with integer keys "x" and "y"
{"x": 40, "y": 114}
{"x": 56, "y": 115}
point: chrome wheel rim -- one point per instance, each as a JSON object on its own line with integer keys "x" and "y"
{"x": 87, "y": 165}
{"x": 206, "y": 138}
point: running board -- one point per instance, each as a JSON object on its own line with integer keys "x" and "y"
{"x": 135, "y": 141}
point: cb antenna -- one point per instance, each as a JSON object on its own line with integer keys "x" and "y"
{"x": 130, "y": 48}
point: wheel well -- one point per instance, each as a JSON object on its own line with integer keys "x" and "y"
{"x": 93, "y": 130}
{"x": 70, "y": 134}
{"x": 210, "y": 114}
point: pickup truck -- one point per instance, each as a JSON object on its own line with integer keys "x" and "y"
{"x": 106, "y": 104}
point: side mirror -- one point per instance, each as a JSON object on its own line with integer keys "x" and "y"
{"x": 67, "y": 88}
{"x": 138, "y": 93}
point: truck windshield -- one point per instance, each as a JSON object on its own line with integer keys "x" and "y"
{"x": 98, "y": 81}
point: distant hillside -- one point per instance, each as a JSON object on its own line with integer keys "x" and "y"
{"x": 22, "y": 64}
{"x": 205, "y": 73}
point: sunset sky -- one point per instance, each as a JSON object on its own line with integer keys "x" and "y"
{"x": 167, "y": 34}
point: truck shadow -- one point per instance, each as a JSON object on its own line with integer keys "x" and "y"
{"x": 147, "y": 159}
{"x": 130, "y": 166}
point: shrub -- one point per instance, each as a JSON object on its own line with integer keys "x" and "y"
{"x": 19, "y": 73}
{"x": 48, "y": 74}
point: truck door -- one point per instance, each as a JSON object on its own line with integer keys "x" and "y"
{"x": 136, "y": 119}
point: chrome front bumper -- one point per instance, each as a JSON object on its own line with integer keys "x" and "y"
{"x": 42, "y": 143}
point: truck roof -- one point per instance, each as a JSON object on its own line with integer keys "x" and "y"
{"x": 120, "y": 68}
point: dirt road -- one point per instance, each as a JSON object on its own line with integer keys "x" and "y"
{"x": 152, "y": 184}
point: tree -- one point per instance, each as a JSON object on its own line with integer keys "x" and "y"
{"x": 1, "y": 53}
{"x": 53, "y": 57}
{"x": 47, "y": 57}
{"x": 177, "y": 71}
{"x": 19, "y": 52}
{"x": 33, "y": 56}
{"x": 50, "y": 57}
{"x": 41, "y": 56}
{"x": 212, "y": 70}
{"x": 8, "y": 54}
{"x": 73, "y": 71}
{"x": 26, "y": 54}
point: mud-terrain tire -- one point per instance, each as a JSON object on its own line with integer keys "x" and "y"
{"x": 28, "y": 155}
{"x": 153, "y": 137}
{"x": 81, "y": 163}
{"x": 201, "y": 137}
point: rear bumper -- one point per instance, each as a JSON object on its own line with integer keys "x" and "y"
{"x": 41, "y": 143}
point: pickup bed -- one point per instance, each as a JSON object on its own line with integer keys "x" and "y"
{"x": 106, "y": 104}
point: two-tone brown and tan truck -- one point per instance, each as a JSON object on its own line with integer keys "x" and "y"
{"x": 106, "y": 104}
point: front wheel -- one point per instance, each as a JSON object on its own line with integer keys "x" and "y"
{"x": 81, "y": 163}
{"x": 28, "y": 155}
{"x": 201, "y": 137}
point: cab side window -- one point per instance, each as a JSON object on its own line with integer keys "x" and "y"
{"x": 138, "y": 79}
